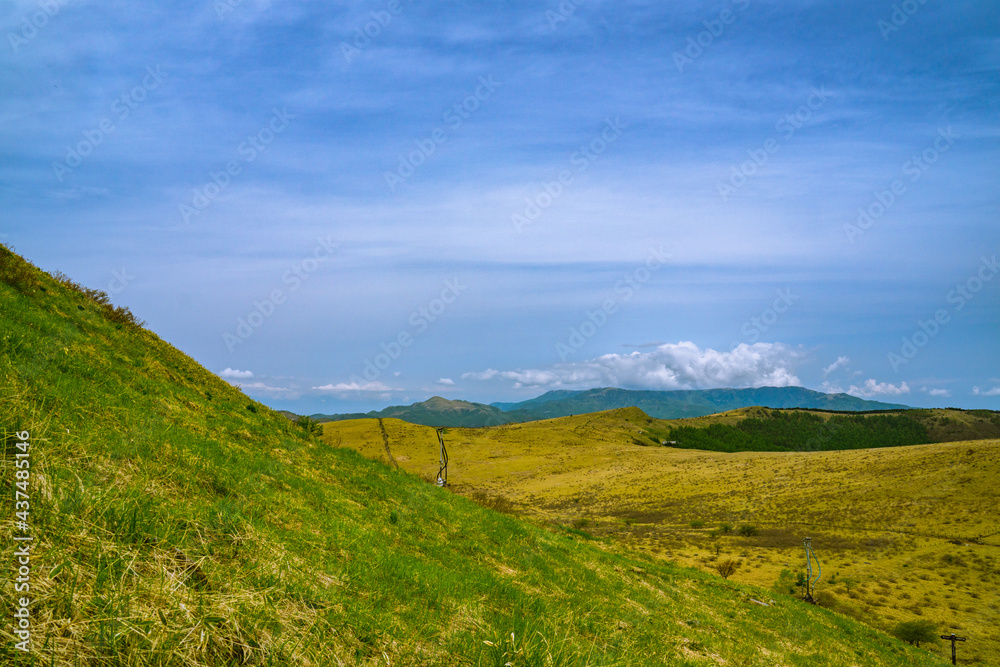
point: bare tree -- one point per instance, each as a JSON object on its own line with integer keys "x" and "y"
{"x": 727, "y": 568}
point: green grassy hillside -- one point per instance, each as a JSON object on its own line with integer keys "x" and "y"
{"x": 177, "y": 522}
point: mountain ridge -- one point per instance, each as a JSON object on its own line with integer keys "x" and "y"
{"x": 669, "y": 404}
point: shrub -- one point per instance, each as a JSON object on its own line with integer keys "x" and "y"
{"x": 118, "y": 314}
{"x": 309, "y": 425}
{"x": 748, "y": 530}
{"x": 727, "y": 568}
{"x": 785, "y": 583}
{"x": 16, "y": 272}
{"x": 914, "y": 632}
{"x": 725, "y": 527}
{"x": 697, "y": 523}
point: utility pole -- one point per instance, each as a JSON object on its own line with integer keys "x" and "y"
{"x": 952, "y": 638}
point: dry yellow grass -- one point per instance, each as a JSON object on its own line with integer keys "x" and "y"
{"x": 901, "y": 533}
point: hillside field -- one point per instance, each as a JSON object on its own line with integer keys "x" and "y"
{"x": 901, "y": 533}
{"x": 176, "y": 522}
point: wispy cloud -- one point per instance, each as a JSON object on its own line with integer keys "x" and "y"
{"x": 264, "y": 389}
{"x": 233, "y": 374}
{"x": 839, "y": 363}
{"x": 937, "y": 393}
{"x": 347, "y": 387}
{"x": 995, "y": 391}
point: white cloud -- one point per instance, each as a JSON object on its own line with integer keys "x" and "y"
{"x": 448, "y": 382}
{"x": 872, "y": 388}
{"x": 233, "y": 374}
{"x": 995, "y": 391}
{"x": 352, "y": 386}
{"x": 941, "y": 393}
{"x": 267, "y": 390}
{"x": 839, "y": 363}
{"x": 670, "y": 366}
{"x": 831, "y": 388}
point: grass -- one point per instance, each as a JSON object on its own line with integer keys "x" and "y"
{"x": 902, "y": 533}
{"x": 178, "y": 522}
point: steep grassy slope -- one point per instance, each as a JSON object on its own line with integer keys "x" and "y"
{"x": 903, "y": 533}
{"x": 177, "y": 522}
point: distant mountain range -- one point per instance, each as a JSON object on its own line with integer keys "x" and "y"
{"x": 439, "y": 411}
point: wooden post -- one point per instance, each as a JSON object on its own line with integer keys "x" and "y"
{"x": 442, "y": 478}
{"x": 952, "y": 638}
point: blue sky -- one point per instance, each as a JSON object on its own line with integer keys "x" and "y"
{"x": 341, "y": 207}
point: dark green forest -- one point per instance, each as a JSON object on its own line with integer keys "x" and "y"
{"x": 801, "y": 431}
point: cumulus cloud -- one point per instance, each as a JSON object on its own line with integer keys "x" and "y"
{"x": 995, "y": 391}
{"x": 669, "y": 366}
{"x": 344, "y": 387}
{"x": 940, "y": 393}
{"x": 233, "y": 374}
{"x": 831, "y": 388}
{"x": 872, "y": 388}
{"x": 448, "y": 382}
{"x": 839, "y": 363}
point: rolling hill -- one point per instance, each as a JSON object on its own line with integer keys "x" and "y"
{"x": 174, "y": 521}
{"x": 903, "y": 533}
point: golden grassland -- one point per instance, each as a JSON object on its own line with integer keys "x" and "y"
{"x": 901, "y": 533}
